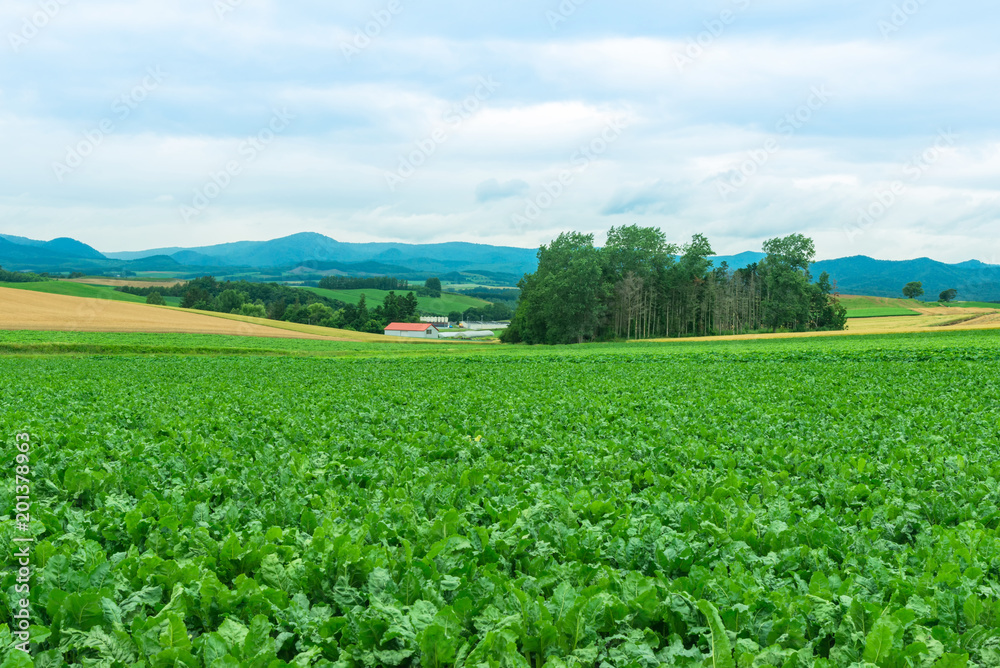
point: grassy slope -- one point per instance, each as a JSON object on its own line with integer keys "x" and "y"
{"x": 76, "y": 290}
{"x": 876, "y": 307}
{"x": 442, "y": 306}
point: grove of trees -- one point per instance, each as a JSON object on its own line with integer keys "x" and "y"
{"x": 640, "y": 286}
{"x": 491, "y": 313}
{"x": 282, "y": 302}
{"x": 433, "y": 286}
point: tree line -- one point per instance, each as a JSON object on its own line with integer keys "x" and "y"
{"x": 282, "y": 302}
{"x": 490, "y": 312}
{"x": 20, "y": 277}
{"x": 640, "y": 286}
{"x": 431, "y": 287}
{"x": 368, "y": 283}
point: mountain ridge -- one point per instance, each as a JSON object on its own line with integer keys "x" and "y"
{"x": 308, "y": 253}
{"x": 314, "y": 247}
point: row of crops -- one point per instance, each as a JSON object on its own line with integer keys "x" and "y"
{"x": 818, "y": 504}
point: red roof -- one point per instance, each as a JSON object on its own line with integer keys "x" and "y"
{"x": 409, "y": 327}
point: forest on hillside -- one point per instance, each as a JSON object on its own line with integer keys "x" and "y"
{"x": 640, "y": 286}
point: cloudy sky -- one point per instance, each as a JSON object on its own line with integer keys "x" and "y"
{"x": 870, "y": 125}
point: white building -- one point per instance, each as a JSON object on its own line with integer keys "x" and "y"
{"x": 412, "y": 330}
{"x": 478, "y": 334}
{"x": 483, "y": 325}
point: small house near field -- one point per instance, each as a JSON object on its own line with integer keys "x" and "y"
{"x": 412, "y": 330}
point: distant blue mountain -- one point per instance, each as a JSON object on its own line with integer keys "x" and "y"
{"x": 862, "y": 275}
{"x": 63, "y": 246}
{"x": 744, "y": 259}
{"x": 311, "y": 247}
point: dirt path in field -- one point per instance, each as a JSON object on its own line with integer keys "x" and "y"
{"x": 955, "y": 311}
{"x": 992, "y": 319}
{"x": 27, "y": 310}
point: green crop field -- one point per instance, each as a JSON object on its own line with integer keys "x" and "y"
{"x": 829, "y": 501}
{"x": 879, "y": 312}
{"x": 76, "y": 290}
{"x": 440, "y": 306}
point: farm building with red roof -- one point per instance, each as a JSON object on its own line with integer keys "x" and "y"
{"x": 412, "y": 330}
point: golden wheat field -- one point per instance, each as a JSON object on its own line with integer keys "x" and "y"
{"x": 929, "y": 320}
{"x": 27, "y": 310}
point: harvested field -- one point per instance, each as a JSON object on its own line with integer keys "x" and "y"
{"x": 929, "y": 320}
{"x": 26, "y": 310}
{"x": 956, "y": 310}
{"x": 125, "y": 282}
{"x": 982, "y": 322}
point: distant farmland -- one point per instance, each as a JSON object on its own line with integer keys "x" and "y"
{"x": 441, "y": 306}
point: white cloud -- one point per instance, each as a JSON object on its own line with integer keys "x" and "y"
{"x": 687, "y": 128}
